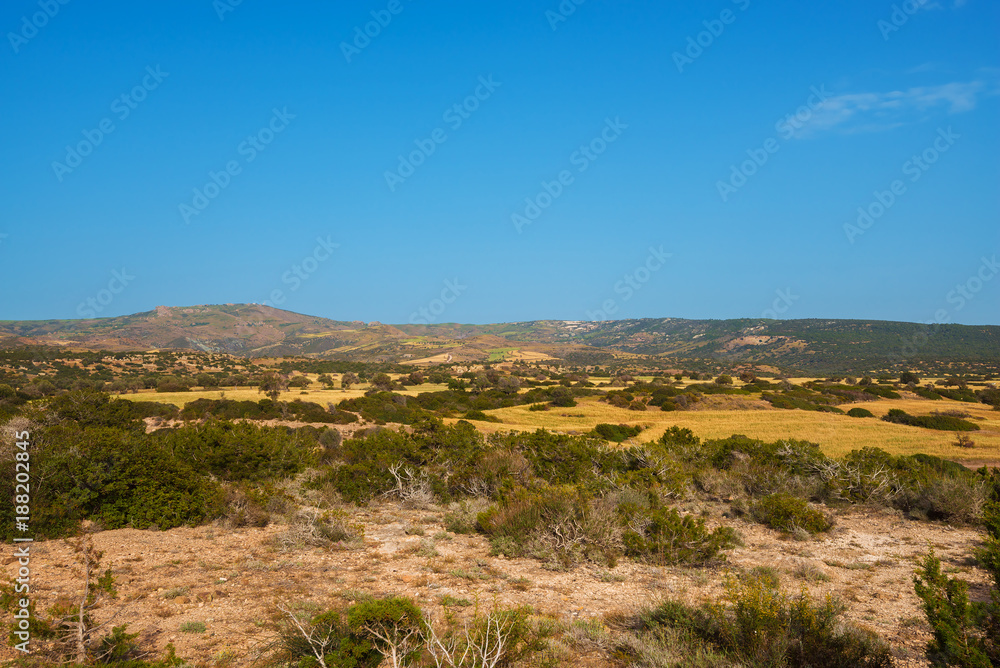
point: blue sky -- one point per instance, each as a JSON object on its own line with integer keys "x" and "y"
{"x": 489, "y": 162}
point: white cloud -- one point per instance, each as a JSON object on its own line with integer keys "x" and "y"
{"x": 871, "y": 112}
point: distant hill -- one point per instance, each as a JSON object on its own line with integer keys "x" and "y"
{"x": 809, "y": 346}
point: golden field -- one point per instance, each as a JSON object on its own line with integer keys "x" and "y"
{"x": 836, "y": 434}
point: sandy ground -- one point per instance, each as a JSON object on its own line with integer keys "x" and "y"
{"x": 232, "y": 580}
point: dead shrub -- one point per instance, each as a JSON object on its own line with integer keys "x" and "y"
{"x": 313, "y": 528}
{"x": 243, "y": 511}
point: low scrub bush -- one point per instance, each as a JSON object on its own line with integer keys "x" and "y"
{"x": 553, "y": 523}
{"x": 785, "y": 512}
{"x": 241, "y": 451}
{"x": 114, "y": 477}
{"x": 966, "y": 633}
{"x": 860, "y": 413}
{"x": 264, "y": 409}
{"x": 313, "y": 528}
{"x": 758, "y": 624}
{"x": 480, "y": 416}
{"x": 664, "y": 536}
{"x": 615, "y": 432}
{"x": 941, "y": 422}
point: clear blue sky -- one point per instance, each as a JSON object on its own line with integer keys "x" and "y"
{"x": 188, "y": 88}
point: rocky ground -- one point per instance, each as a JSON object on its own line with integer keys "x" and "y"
{"x": 232, "y": 580}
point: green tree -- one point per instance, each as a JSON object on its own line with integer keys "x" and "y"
{"x": 382, "y": 381}
{"x": 348, "y": 379}
{"x": 272, "y": 384}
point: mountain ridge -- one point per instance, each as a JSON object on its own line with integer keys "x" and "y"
{"x": 815, "y": 344}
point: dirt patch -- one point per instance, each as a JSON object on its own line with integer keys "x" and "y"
{"x": 231, "y": 580}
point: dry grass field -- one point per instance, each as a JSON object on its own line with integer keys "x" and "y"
{"x": 836, "y": 434}
{"x": 721, "y": 416}
{"x": 315, "y": 394}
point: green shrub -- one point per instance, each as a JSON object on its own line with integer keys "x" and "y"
{"x": 538, "y": 407}
{"x": 860, "y": 413}
{"x": 941, "y": 422}
{"x": 667, "y": 537}
{"x": 553, "y": 523}
{"x": 966, "y": 634}
{"x": 480, "y": 416}
{"x": 616, "y": 433}
{"x": 117, "y": 478}
{"x": 118, "y": 646}
{"x": 88, "y": 408}
{"x": 264, "y": 409}
{"x": 883, "y": 392}
{"x": 785, "y": 512}
{"x": 382, "y": 407}
{"x": 759, "y": 625}
{"x": 327, "y": 634}
{"x": 240, "y": 451}
{"x": 562, "y": 397}
{"x": 388, "y": 624}
{"x": 193, "y": 627}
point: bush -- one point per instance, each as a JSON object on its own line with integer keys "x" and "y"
{"x": 264, "y": 409}
{"x": 965, "y": 634}
{"x": 964, "y": 441}
{"x": 328, "y": 635}
{"x": 88, "y": 408}
{"x": 664, "y": 536}
{"x": 615, "y": 433}
{"x": 761, "y": 626}
{"x": 240, "y": 451}
{"x": 785, "y": 512}
{"x": 480, "y": 416}
{"x": 556, "y": 523}
{"x": 392, "y": 625}
{"x": 941, "y": 422}
{"x": 562, "y": 397}
{"x": 860, "y": 413}
{"x": 114, "y": 477}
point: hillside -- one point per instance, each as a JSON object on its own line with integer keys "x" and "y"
{"x": 810, "y": 346}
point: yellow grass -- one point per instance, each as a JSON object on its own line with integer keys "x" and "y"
{"x": 314, "y": 394}
{"x": 836, "y": 434}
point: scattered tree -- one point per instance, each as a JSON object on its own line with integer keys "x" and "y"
{"x": 349, "y": 379}
{"x": 272, "y": 384}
